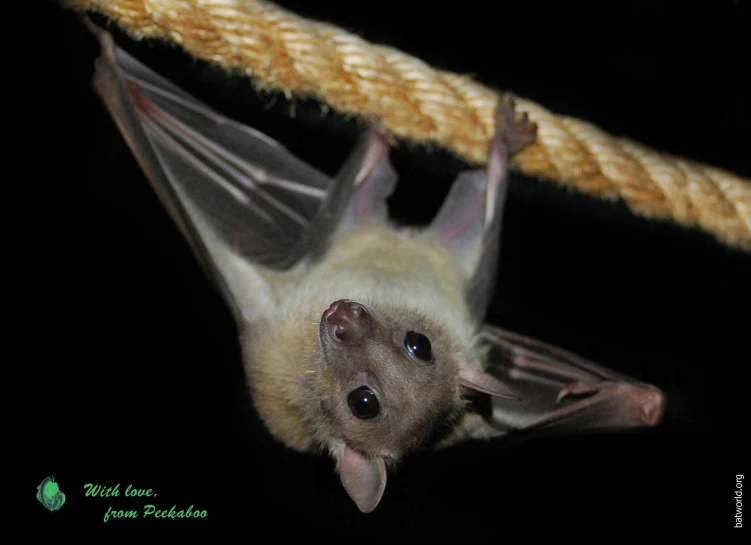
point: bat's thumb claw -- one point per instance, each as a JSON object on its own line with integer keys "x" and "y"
{"x": 654, "y": 407}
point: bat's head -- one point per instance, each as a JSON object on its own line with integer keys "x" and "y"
{"x": 389, "y": 380}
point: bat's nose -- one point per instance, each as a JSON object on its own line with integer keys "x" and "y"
{"x": 345, "y": 320}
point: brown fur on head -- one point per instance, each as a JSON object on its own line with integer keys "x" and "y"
{"x": 365, "y": 346}
{"x": 304, "y": 368}
{"x": 301, "y": 378}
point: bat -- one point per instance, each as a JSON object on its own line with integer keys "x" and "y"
{"x": 360, "y": 338}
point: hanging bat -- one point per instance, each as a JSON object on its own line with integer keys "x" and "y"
{"x": 359, "y": 338}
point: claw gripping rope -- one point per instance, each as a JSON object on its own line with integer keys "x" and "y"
{"x": 282, "y": 51}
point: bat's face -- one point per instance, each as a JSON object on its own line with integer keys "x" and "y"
{"x": 389, "y": 377}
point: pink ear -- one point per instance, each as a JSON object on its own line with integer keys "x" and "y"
{"x": 363, "y": 478}
{"x": 480, "y": 381}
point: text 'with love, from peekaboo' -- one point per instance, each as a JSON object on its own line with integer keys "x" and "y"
{"x": 148, "y": 509}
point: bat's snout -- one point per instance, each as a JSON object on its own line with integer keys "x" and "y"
{"x": 345, "y": 321}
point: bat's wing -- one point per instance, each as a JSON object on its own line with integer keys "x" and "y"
{"x": 240, "y": 198}
{"x": 562, "y": 391}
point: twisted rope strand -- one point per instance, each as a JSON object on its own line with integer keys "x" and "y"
{"x": 283, "y": 51}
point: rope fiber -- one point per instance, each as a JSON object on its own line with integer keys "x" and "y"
{"x": 282, "y": 51}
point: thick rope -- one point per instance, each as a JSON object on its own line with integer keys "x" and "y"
{"x": 283, "y": 51}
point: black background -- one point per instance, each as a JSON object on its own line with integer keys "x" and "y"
{"x": 135, "y": 373}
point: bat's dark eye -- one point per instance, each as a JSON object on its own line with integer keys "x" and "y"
{"x": 418, "y": 345}
{"x": 363, "y": 403}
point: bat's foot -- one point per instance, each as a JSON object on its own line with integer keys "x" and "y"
{"x": 513, "y": 131}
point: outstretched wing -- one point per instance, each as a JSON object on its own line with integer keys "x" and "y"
{"x": 240, "y": 198}
{"x": 562, "y": 391}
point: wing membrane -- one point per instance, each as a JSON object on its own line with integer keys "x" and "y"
{"x": 562, "y": 391}
{"x": 240, "y": 198}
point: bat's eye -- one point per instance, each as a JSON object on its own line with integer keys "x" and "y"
{"x": 363, "y": 403}
{"x": 418, "y": 345}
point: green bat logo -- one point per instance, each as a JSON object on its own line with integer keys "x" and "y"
{"x": 48, "y": 493}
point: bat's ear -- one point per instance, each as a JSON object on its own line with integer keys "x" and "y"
{"x": 480, "y": 381}
{"x": 363, "y": 478}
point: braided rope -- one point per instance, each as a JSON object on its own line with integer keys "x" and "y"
{"x": 283, "y": 51}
